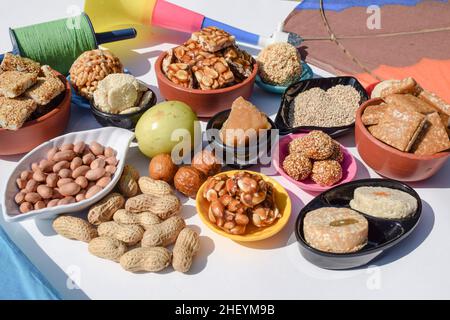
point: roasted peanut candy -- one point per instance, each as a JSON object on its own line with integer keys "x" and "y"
{"x": 180, "y": 74}
{"x": 191, "y": 52}
{"x": 240, "y": 62}
{"x": 213, "y": 73}
{"x": 213, "y": 39}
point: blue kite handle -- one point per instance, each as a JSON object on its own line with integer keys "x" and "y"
{"x": 116, "y": 35}
{"x": 241, "y": 35}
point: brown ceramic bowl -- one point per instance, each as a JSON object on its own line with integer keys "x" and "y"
{"x": 39, "y": 130}
{"x": 205, "y": 103}
{"x": 390, "y": 162}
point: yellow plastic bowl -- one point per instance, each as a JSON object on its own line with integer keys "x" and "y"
{"x": 282, "y": 201}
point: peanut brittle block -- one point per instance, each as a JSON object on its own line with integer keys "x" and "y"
{"x": 191, "y": 52}
{"x": 14, "y": 83}
{"x": 373, "y": 114}
{"x": 12, "y": 62}
{"x": 398, "y": 127}
{"x": 168, "y": 60}
{"x": 213, "y": 39}
{"x": 240, "y": 62}
{"x": 180, "y": 74}
{"x": 14, "y": 112}
{"x": 433, "y": 138}
{"x": 408, "y": 100}
{"x": 407, "y": 85}
{"x": 213, "y": 73}
{"x": 435, "y": 101}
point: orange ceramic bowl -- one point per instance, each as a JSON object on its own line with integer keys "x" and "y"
{"x": 390, "y": 162}
{"x": 39, "y": 130}
{"x": 205, "y": 103}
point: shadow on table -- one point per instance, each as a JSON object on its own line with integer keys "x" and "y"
{"x": 440, "y": 180}
{"x": 207, "y": 247}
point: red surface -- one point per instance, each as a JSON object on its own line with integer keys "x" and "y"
{"x": 171, "y": 16}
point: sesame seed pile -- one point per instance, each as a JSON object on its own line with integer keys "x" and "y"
{"x": 332, "y": 108}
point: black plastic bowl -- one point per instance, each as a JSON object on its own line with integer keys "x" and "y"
{"x": 383, "y": 233}
{"x": 241, "y": 157}
{"x": 125, "y": 121}
{"x": 295, "y": 89}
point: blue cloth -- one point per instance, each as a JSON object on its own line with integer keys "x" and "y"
{"x": 19, "y": 278}
{"x": 339, "y": 5}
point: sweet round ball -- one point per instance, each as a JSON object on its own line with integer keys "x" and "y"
{"x": 297, "y": 166}
{"x": 337, "y": 154}
{"x": 317, "y": 145}
{"x": 326, "y": 172}
{"x": 279, "y": 64}
{"x": 91, "y": 67}
{"x": 161, "y": 167}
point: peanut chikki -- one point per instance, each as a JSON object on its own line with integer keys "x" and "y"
{"x": 408, "y": 100}
{"x": 14, "y": 83}
{"x": 14, "y": 112}
{"x": 399, "y": 127}
{"x": 240, "y": 62}
{"x": 433, "y": 138}
{"x": 16, "y": 63}
{"x": 180, "y": 74}
{"x": 213, "y": 39}
{"x": 191, "y": 52}
{"x": 213, "y": 73}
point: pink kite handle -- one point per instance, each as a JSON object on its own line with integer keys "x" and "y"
{"x": 170, "y": 16}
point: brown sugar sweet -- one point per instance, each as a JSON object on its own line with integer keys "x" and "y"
{"x": 433, "y": 138}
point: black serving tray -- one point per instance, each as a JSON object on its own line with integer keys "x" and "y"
{"x": 242, "y": 157}
{"x": 383, "y": 233}
{"x": 295, "y": 89}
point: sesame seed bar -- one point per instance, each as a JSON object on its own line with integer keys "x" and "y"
{"x": 408, "y": 100}
{"x": 213, "y": 73}
{"x": 407, "y": 85}
{"x": 14, "y": 112}
{"x": 435, "y": 101}
{"x": 45, "y": 90}
{"x": 433, "y": 138}
{"x": 14, "y": 83}
{"x": 213, "y": 39}
{"x": 12, "y": 62}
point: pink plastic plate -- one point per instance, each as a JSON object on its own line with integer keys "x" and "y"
{"x": 349, "y": 166}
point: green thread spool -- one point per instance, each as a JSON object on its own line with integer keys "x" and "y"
{"x": 56, "y": 43}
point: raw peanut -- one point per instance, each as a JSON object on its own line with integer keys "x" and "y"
{"x": 66, "y": 200}
{"x": 103, "y": 182}
{"x": 146, "y": 259}
{"x": 26, "y": 175}
{"x": 111, "y": 169}
{"x": 63, "y": 181}
{"x": 98, "y": 163}
{"x": 80, "y": 197}
{"x": 163, "y": 206}
{"x": 66, "y": 155}
{"x": 39, "y": 205}
{"x": 21, "y": 183}
{"x": 74, "y": 228}
{"x": 127, "y": 233}
{"x": 100, "y": 156}
{"x": 26, "y": 207}
{"x": 186, "y": 246}
{"x": 82, "y": 182}
{"x": 46, "y": 165}
{"x": 107, "y": 248}
{"x": 79, "y": 147}
{"x": 57, "y": 195}
{"x": 39, "y": 176}
{"x": 164, "y": 233}
{"x": 96, "y": 148}
{"x": 88, "y": 158}
{"x": 67, "y": 146}
{"x": 92, "y": 191}
{"x": 145, "y": 219}
{"x": 32, "y": 197}
{"x": 52, "y": 180}
{"x": 51, "y": 153}
{"x": 109, "y": 152}
{"x": 95, "y": 174}
{"x": 20, "y": 197}
{"x": 76, "y": 163}
{"x": 127, "y": 184}
{"x": 69, "y": 189}
{"x": 130, "y": 170}
{"x": 31, "y": 186}
{"x": 35, "y": 166}
{"x": 111, "y": 161}
{"x": 80, "y": 171}
{"x": 65, "y": 173}
{"x": 61, "y": 165}
{"x": 103, "y": 211}
{"x": 154, "y": 187}
{"x": 52, "y": 203}
{"x": 44, "y": 191}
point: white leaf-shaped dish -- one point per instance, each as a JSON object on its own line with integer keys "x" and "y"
{"x": 117, "y": 138}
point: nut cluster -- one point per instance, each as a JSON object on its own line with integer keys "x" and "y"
{"x": 240, "y": 200}
{"x": 91, "y": 67}
{"x": 70, "y": 173}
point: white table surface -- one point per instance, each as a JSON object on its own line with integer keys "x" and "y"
{"x": 271, "y": 269}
